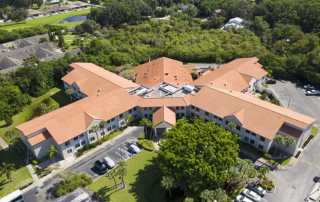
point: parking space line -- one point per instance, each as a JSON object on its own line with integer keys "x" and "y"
{"x": 305, "y": 161}
{"x": 121, "y": 156}
{"x": 125, "y": 147}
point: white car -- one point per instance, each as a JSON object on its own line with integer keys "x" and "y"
{"x": 109, "y": 162}
{"x": 251, "y": 195}
{"x": 242, "y": 198}
{"x": 313, "y": 92}
{"x": 256, "y": 188}
{"x": 133, "y": 148}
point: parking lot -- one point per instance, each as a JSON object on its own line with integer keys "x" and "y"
{"x": 115, "y": 151}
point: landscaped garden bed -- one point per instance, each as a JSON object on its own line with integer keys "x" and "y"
{"x": 267, "y": 184}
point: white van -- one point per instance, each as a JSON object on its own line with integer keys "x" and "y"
{"x": 133, "y": 148}
{"x": 109, "y": 162}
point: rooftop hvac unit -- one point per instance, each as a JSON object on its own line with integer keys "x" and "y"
{"x": 225, "y": 84}
{"x": 98, "y": 94}
{"x": 99, "y": 89}
{"x": 189, "y": 88}
{"x": 141, "y": 92}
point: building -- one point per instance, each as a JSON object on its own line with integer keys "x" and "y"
{"x": 34, "y": 14}
{"x": 14, "y": 53}
{"x": 164, "y": 96}
{"x": 237, "y": 23}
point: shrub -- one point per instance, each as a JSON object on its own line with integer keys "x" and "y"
{"x": 33, "y": 160}
{"x": 268, "y": 156}
{"x": 307, "y": 141}
{"x": 6, "y": 194}
{"x": 142, "y": 136}
{"x": 116, "y": 130}
{"x": 270, "y": 187}
{"x": 265, "y": 178}
{"x": 111, "y": 132}
{"x": 264, "y": 92}
{"x": 147, "y": 144}
{"x": 77, "y": 180}
{"x": 44, "y": 159}
{"x": 24, "y": 184}
{"x": 272, "y": 184}
{"x": 297, "y": 154}
{"x": 271, "y": 181}
{"x": 121, "y": 128}
{"x": 265, "y": 186}
{"x": 47, "y": 171}
{"x": 260, "y": 184}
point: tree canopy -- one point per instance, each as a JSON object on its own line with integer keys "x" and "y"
{"x": 199, "y": 153}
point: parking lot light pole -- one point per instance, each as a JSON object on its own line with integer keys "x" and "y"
{"x": 288, "y": 104}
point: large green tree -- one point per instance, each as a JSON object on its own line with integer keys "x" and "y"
{"x": 198, "y": 152}
{"x": 7, "y": 169}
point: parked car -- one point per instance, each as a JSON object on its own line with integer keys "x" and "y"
{"x": 256, "y": 188}
{"x": 101, "y": 167}
{"x": 251, "y": 195}
{"x": 109, "y": 162}
{"x": 313, "y": 92}
{"x": 133, "y": 148}
{"x": 308, "y": 86}
{"x": 241, "y": 198}
{"x": 271, "y": 81}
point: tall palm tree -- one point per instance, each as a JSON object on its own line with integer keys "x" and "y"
{"x": 7, "y": 169}
{"x": 95, "y": 129}
{"x": 240, "y": 164}
{"x": 103, "y": 124}
{"x": 278, "y": 140}
{"x": 249, "y": 165}
{"x": 69, "y": 92}
{"x": 52, "y": 151}
{"x": 167, "y": 182}
{"x": 122, "y": 170}
{"x": 111, "y": 175}
{"x": 233, "y": 177}
{"x": 144, "y": 122}
{"x": 289, "y": 141}
{"x": 220, "y": 195}
{"x": 43, "y": 107}
{"x": 231, "y": 126}
{"x": 9, "y": 133}
{"x": 243, "y": 180}
{"x": 263, "y": 170}
{"x": 128, "y": 119}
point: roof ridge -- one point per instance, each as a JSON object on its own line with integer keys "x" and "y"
{"x": 257, "y": 104}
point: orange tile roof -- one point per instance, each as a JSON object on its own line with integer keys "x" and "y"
{"x": 90, "y": 78}
{"x": 258, "y": 116}
{"x": 164, "y": 114}
{"x": 235, "y": 75}
{"x": 39, "y": 138}
{"x": 162, "y": 70}
{"x": 158, "y": 102}
{"x": 287, "y": 130}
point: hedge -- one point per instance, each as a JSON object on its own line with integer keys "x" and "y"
{"x": 147, "y": 144}
{"x": 307, "y": 141}
{"x": 69, "y": 186}
{"x": 142, "y": 136}
{"x": 297, "y": 154}
{"x": 24, "y": 184}
{"x": 268, "y": 156}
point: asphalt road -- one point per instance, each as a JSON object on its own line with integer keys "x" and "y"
{"x": 115, "y": 151}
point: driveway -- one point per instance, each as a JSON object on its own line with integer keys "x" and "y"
{"x": 115, "y": 151}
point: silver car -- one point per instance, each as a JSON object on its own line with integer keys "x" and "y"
{"x": 251, "y": 195}
{"x": 241, "y": 198}
{"x": 256, "y": 188}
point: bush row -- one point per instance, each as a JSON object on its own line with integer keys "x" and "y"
{"x": 69, "y": 186}
{"x": 297, "y": 154}
{"x": 307, "y": 141}
{"x": 46, "y": 171}
{"x": 10, "y": 24}
{"x": 35, "y": 161}
{"x": 147, "y": 144}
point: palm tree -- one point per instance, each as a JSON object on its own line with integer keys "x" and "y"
{"x": 233, "y": 177}
{"x": 289, "y": 141}
{"x": 243, "y": 179}
{"x": 43, "y": 107}
{"x": 128, "y": 119}
{"x": 122, "y": 169}
{"x": 9, "y": 133}
{"x": 7, "y": 169}
{"x": 220, "y": 195}
{"x": 240, "y": 164}
{"x": 278, "y": 140}
{"x": 103, "y": 124}
{"x": 249, "y": 165}
{"x": 111, "y": 176}
{"x": 144, "y": 122}
{"x": 231, "y": 126}
{"x": 52, "y": 152}
{"x": 152, "y": 127}
{"x": 167, "y": 182}
{"x": 95, "y": 129}
{"x": 263, "y": 170}
{"x": 69, "y": 92}
{"x": 206, "y": 195}
{"x": 14, "y": 141}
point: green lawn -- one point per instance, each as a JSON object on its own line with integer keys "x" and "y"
{"x": 54, "y": 96}
{"x": 314, "y": 130}
{"x": 142, "y": 171}
{"x": 54, "y": 19}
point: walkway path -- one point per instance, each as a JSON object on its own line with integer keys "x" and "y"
{"x": 33, "y": 173}
{"x": 3, "y": 144}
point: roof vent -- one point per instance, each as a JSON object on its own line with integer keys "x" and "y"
{"x": 211, "y": 83}
{"x": 166, "y": 73}
{"x": 146, "y": 73}
{"x": 98, "y": 94}
{"x": 99, "y": 90}
{"x": 145, "y": 76}
{"x": 225, "y": 84}
{"x": 230, "y": 91}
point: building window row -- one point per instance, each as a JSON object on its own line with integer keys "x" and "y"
{"x": 178, "y": 108}
{"x": 146, "y": 108}
{"x": 148, "y": 115}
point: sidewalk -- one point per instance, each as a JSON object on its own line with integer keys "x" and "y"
{"x": 3, "y": 144}
{"x": 33, "y": 173}
{"x": 67, "y": 163}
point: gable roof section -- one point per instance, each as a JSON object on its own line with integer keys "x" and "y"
{"x": 162, "y": 70}
{"x": 287, "y": 130}
{"x": 164, "y": 114}
{"x": 234, "y": 75}
{"x": 39, "y": 138}
{"x": 257, "y": 115}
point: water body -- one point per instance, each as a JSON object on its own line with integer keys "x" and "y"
{"x": 74, "y": 19}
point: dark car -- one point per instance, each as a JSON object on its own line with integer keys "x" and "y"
{"x": 101, "y": 167}
{"x": 271, "y": 81}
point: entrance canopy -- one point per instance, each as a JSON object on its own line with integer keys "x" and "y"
{"x": 164, "y": 114}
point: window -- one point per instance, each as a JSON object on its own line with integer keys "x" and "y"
{"x": 197, "y": 109}
{"x": 150, "y": 115}
{"x": 78, "y": 145}
{"x": 238, "y": 127}
{"x": 150, "y": 108}
{"x": 114, "y": 126}
{"x": 252, "y": 141}
{"x": 206, "y": 121}
{"x": 130, "y": 111}
{"x": 122, "y": 123}
{"x": 145, "y": 108}
{"x": 253, "y": 134}
{"x": 92, "y": 139}
{"x": 83, "y": 142}
{"x": 75, "y": 138}
{"x": 177, "y": 114}
{"x": 192, "y": 114}
{"x": 121, "y": 115}
{"x": 260, "y": 147}
{"x": 103, "y": 133}
{"x": 90, "y": 131}
{"x": 182, "y": 108}
{"x": 248, "y": 131}
{"x": 262, "y": 139}
{"x": 109, "y": 128}
{"x": 146, "y": 116}
{"x": 220, "y": 119}
{"x": 81, "y": 135}
{"x": 250, "y": 86}
{"x": 108, "y": 121}
{"x": 135, "y": 116}
{"x": 246, "y": 139}
{"x": 67, "y": 143}
{"x": 113, "y": 119}
{"x": 192, "y": 107}
{"x": 214, "y": 116}
{"x": 227, "y": 122}
{"x": 135, "y": 109}
{"x": 69, "y": 151}
{"x": 207, "y": 113}
{"x": 182, "y": 114}
{"x": 177, "y": 108}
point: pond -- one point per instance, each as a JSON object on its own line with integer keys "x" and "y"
{"x": 74, "y": 19}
